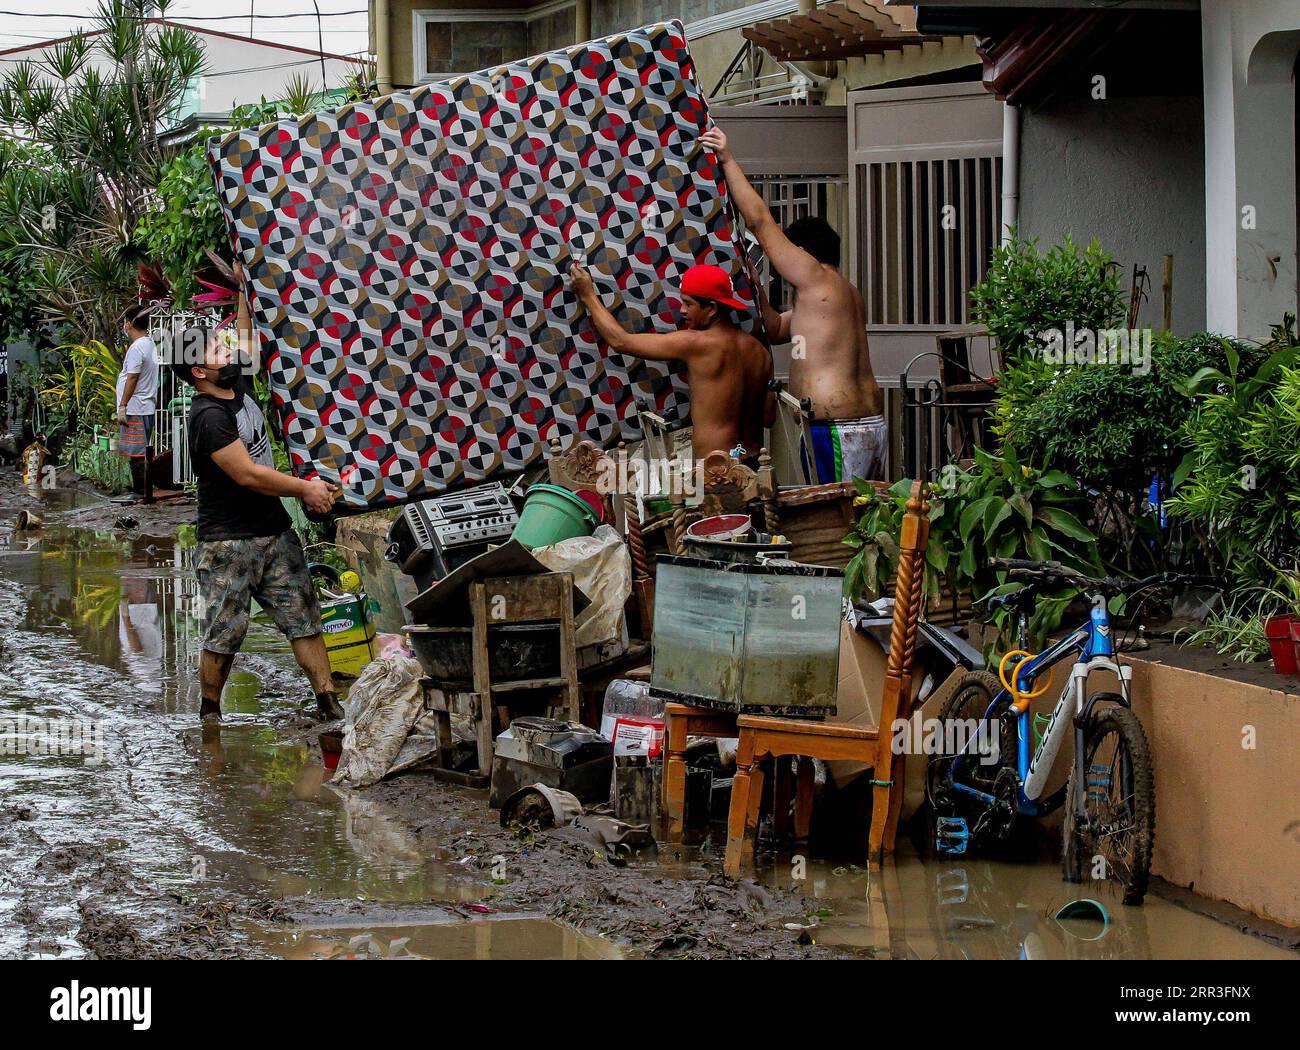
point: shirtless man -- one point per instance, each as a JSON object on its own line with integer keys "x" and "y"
{"x": 728, "y": 370}
{"x": 830, "y": 363}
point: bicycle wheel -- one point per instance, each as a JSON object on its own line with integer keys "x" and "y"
{"x": 966, "y": 705}
{"x": 1118, "y": 833}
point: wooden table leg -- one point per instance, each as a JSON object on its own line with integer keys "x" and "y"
{"x": 803, "y": 803}
{"x": 675, "y": 793}
{"x": 674, "y": 803}
{"x": 481, "y": 710}
{"x": 746, "y": 791}
{"x": 753, "y": 807}
{"x": 736, "y": 821}
{"x": 782, "y": 776}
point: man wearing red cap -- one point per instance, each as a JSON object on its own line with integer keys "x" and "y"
{"x": 728, "y": 370}
{"x": 829, "y": 360}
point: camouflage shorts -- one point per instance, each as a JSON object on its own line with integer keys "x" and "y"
{"x": 271, "y": 569}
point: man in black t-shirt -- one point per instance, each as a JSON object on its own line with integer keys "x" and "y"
{"x": 246, "y": 545}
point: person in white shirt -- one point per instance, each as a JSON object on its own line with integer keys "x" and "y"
{"x": 137, "y": 397}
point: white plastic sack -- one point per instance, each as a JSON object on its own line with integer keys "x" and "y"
{"x": 383, "y": 705}
{"x": 602, "y": 570}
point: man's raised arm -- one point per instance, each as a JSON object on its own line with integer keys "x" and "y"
{"x": 244, "y": 322}
{"x": 655, "y": 346}
{"x": 791, "y": 261}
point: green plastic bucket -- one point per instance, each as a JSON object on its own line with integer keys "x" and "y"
{"x": 551, "y": 514}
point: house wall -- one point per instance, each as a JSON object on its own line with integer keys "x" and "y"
{"x": 1249, "y": 53}
{"x": 239, "y": 71}
{"x": 269, "y": 70}
{"x": 713, "y": 50}
{"x": 1129, "y": 172}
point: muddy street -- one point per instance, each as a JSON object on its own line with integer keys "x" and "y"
{"x": 140, "y": 833}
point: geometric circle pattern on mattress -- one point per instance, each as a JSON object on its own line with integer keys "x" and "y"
{"x": 407, "y": 261}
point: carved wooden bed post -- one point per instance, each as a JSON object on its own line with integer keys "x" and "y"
{"x": 643, "y": 585}
{"x": 887, "y": 782}
{"x": 767, "y": 492}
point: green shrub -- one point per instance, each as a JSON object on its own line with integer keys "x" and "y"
{"x": 1026, "y": 291}
{"x": 1239, "y": 482}
{"x": 189, "y": 222}
{"x": 1111, "y": 426}
{"x": 1000, "y": 508}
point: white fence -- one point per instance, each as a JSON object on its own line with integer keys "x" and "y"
{"x": 169, "y": 431}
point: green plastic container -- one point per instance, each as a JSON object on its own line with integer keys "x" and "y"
{"x": 551, "y": 514}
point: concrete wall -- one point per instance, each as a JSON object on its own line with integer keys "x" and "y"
{"x": 1129, "y": 172}
{"x": 1227, "y": 816}
{"x": 1249, "y": 52}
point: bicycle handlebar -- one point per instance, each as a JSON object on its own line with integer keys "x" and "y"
{"x": 1054, "y": 570}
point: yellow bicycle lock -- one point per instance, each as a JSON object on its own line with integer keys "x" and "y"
{"x": 1020, "y": 700}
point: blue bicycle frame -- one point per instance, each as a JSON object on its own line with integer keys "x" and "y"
{"x": 1092, "y": 642}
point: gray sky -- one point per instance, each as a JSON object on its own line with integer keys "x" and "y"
{"x": 344, "y": 34}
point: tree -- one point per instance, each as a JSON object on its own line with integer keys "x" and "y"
{"x": 85, "y": 120}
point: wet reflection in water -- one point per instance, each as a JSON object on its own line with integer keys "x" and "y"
{"x": 103, "y": 630}
{"x": 930, "y": 908}
{"x": 506, "y": 937}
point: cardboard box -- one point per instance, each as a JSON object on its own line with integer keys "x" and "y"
{"x": 861, "y": 685}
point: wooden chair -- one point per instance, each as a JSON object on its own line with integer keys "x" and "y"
{"x": 761, "y": 737}
{"x": 730, "y": 487}
{"x": 584, "y": 465}
{"x": 683, "y": 722}
{"x": 966, "y": 395}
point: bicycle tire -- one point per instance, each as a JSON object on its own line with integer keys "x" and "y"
{"x": 1077, "y": 846}
{"x": 969, "y": 686}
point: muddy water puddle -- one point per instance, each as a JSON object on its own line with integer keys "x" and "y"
{"x": 932, "y": 908}
{"x": 926, "y": 907}
{"x": 515, "y": 937}
{"x": 99, "y": 630}
{"x": 99, "y": 638}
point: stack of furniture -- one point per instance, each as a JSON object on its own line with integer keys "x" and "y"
{"x": 489, "y": 697}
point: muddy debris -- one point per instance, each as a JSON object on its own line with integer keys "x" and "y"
{"x": 698, "y": 914}
{"x": 11, "y": 812}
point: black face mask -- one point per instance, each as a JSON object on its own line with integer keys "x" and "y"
{"x": 227, "y": 375}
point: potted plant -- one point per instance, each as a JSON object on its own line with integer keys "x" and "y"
{"x": 1283, "y": 634}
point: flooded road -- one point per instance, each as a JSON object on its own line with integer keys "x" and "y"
{"x": 98, "y": 632}
{"x": 981, "y": 909}
{"x": 126, "y": 828}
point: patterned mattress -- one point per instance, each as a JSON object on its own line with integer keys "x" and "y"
{"x": 407, "y": 260}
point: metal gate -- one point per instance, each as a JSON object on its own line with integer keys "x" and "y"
{"x": 172, "y": 410}
{"x": 925, "y": 216}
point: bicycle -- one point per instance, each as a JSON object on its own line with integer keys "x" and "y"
{"x": 978, "y": 791}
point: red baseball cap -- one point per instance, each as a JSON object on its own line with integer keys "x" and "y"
{"x": 707, "y": 281}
